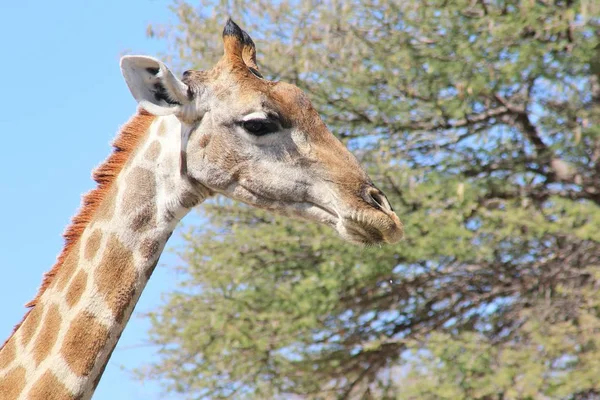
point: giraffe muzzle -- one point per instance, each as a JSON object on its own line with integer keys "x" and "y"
{"x": 372, "y": 221}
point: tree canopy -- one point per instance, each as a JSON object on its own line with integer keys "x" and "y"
{"x": 480, "y": 120}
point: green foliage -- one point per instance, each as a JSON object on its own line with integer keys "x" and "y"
{"x": 479, "y": 120}
{"x": 544, "y": 359}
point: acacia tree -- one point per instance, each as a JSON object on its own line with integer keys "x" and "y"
{"x": 480, "y": 120}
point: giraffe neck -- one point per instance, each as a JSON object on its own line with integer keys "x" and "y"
{"x": 64, "y": 343}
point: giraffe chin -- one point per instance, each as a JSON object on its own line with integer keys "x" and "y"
{"x": 370, "y": 228}
{"x": 364, "y": 225}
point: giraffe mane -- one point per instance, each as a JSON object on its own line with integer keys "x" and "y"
{"x": 104, "y": 175}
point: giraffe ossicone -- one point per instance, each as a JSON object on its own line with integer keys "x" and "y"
{"x": 223, "y": 131}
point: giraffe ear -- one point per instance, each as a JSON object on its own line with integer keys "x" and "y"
{"x": 153, "y": 85}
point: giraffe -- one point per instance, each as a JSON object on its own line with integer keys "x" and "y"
{"x": 223, "y": 131}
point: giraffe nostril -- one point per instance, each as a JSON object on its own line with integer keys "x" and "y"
{"x": 377, "y": 199}
{"x": 187, "y": 73}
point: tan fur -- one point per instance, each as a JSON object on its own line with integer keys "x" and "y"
{"x": 117, "y": 261}
{"x": 12, "y": 385}
{"x": 49, "y": 387}
{"x": 76, "y": 288}
{"x": 104, "y": 176}
{"x": 85, "y": 333}
{"x": 48, "y": 334}
{"x": 142, "y": 185}
{"x": 125, "y": 143}
{"x": 8, "y": 355}
{"x": 92, "y": 244}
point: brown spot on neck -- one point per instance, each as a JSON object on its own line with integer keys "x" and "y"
{"x": 49, "y": 387}
{"x": 13, "y": 383}
{"x": 153, "y": 151}
{"x": 144, "y": 219}
{"x": 116, "y": 277}
{"x": 47, "y": 336}
{"x": 82, "y": 343}
{"x": 149, "y": 248}
{"x": 76, "y": 288}
{"x": 92, "y": 244}
{"x": 141, "y": 188}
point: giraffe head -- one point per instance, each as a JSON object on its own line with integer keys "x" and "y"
{"x": 262, "y": 142}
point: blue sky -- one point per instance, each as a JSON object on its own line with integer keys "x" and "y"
{"x": 63, "y": 101}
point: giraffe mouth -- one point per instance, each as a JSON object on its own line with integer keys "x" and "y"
{"x": 371, "y": 226}
{"x": 365, "y": 226}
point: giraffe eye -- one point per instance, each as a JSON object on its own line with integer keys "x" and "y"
{"x": 260, "y": 127}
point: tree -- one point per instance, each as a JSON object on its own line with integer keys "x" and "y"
{"x": 481, "y": 121}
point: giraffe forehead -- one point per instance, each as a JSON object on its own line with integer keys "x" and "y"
{"x": 290, "y": 96}
{"x": 244, "y": 92}
{"x": 296, "y": 108}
